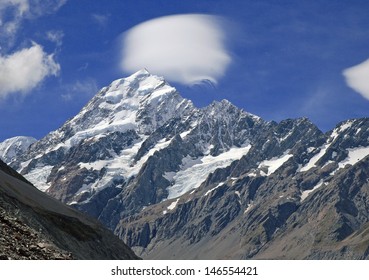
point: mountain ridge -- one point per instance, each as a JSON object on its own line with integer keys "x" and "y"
{"x": 164, "y": 174}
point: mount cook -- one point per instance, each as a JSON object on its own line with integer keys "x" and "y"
{"x": 175, "y": 181}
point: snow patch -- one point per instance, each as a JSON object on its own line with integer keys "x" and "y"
{"x": 355, "y": 155}
{"x": 312, "y": 162}
{"x": 345, "y": 126}
{"x": 249, "y": 207}
{"x": 274, "y": 163}
{"x": 213, "y": 189}
{"x": 306, "y": 193}
{"x": 173, "y": 205}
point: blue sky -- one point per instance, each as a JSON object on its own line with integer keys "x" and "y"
{"x": 286, "y": 58}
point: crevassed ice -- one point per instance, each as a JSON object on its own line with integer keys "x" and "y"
{"x": 39, "y": 176}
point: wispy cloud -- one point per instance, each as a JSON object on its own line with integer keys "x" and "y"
{"x": 55, "y": 36}
{"x": 184, "y": 48}
{"x": 80, "y": 88}
{"x": 13, "y": 12}
{"x": 24, "y": 70}
{"x": 100, "y": 19}
{"x": 357, "y": 77}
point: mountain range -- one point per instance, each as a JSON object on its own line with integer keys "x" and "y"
{"x": 174, "y": 181}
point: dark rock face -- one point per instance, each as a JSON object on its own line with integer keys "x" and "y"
{"x": 176, "y": 181}
{"x": 35, "y": 226}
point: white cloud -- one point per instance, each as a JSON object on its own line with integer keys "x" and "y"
{"x": 183, "y": 48}
{"x": 357, "y": 77}
{"x": 24, "y": 70}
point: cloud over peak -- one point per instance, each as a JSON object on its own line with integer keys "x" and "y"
{"x": 186, "y": 48}
{"x": 24, "y": 70}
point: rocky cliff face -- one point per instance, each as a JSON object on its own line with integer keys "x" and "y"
{"x": 35, "y": 226}
{"x": 307, "y": 200}
{"x": 176, "y": 181}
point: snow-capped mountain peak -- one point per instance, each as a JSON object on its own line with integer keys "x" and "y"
{"x": 153, "y": 167}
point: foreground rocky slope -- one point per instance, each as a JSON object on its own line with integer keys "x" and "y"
{"x": 35, "y": 226}
{"x": 176, "y": 181}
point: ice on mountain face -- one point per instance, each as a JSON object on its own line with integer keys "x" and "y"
{"x": 38, "y": 177}
{"x": 123, "y": 165}
{"x": 195, "y": 171}
{"x": 273, "y": 164}
{"x": 96, "y": 165}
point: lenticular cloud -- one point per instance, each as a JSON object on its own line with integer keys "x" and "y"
{"x": 183, "y": 48}
{"x": 357, "y": 77}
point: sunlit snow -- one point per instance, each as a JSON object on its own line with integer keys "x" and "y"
{"x": 213, "y": 189}
{"x": 248, "y": 208}
{"x": 194, "y": 171}
{"x": 355, "y": 155}
{"x": 173, "y": 205}
{"x": 274, "y": 163}
{"x": 312, "y": 162}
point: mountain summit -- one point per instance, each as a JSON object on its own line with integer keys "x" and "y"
{"x": 176, "y": 181}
